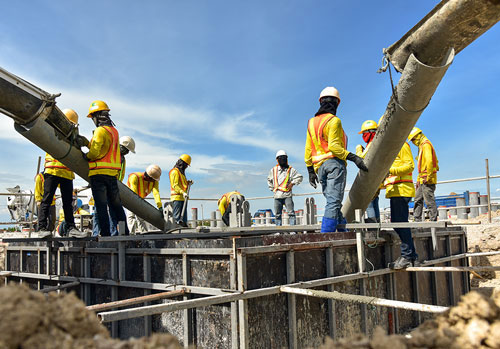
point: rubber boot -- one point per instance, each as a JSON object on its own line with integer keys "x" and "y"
{"x": 343, "y": 230}
{"x": 329, "y": 225}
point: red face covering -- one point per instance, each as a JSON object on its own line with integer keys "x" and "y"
{"x": 368, "y": 136}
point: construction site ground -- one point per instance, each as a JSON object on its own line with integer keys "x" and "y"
{"x": 30, "y": 318}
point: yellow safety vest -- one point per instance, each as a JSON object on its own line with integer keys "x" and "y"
{"x": 56, "y": 168}
{"x": 111, "y": 160}
{"x": 225, "y": 200}
{"x": 143, "y": 187}
{"x": 175, "y": 195}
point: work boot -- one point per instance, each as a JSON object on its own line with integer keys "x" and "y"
{"x": 44, "y": 234}
{"x": 75, "y": 233}
{"x": 342, "y": 230}
{"x": 401, "y": 263}
{"x": 329, "y": 225}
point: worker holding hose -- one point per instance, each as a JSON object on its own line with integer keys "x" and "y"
{"x": 326, "y": 155}
{"x": 179, "y": 188}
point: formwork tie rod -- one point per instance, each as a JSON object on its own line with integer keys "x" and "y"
{"x": 135, "y": 300}
{"x": 365, "y": 299}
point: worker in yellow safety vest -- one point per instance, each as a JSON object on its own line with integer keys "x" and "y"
{"x": 427, "y": 166}
{"x": 325, "y": 157}
{"x": 143, "y": 183}
{"x": 368, "y": 131}
{"x": 62, "y": 227}
{"x": 224, "y": 204}
{"x": 280, "y": 180}
{"x": 56, "y": 174}
{"x": 39, "y": 182}
{"x": 399, "y": 190}
{"x": 179, "y": 189}
{"x": 104, "y": 167}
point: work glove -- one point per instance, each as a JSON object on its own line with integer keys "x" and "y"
{"x": 185, "y": 195}
{"x": 190, "y": 182}
{"x": 358, "y": 161}
{"x": 81, "y": 141}
{"x": 313, "y": 178}
{"x": 84, "y": 155}
{"x": 161, "y": 210}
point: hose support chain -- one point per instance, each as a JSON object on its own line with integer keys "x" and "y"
{"x": 386, "y": 65}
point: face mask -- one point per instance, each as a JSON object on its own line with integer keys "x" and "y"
{"x": 283, "y": 161}
{"x": 368, "y": 136}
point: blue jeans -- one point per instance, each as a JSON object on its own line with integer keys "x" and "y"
{"x": 373, "y": 211}
{"x": 113, "y": 223}
{"x": 177, "y": 211}
{"x": 399, "y": 213}
{"x": 332, "y": 176}
{"x": 278, "y": 208}
{"x": 105, "y": 193}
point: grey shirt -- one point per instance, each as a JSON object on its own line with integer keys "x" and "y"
{"x": 295, "y": 178}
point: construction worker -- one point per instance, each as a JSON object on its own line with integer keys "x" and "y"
{"x": 427, "y": 176}
{"x": 399, "y": 190}
{"x": 280, "y": 180}
{"x": 104, "y": 167}
{"x": 179, "y": 189}
{"x": 39, "y": 182}
{"x": 142, "y": 183}
{"x": 368, "y": 130}
{"x": 62, "y": 227}
{"x": 326, "y": 155}
{"x": 56, "y": 174}
{"x": 224, "y": 204}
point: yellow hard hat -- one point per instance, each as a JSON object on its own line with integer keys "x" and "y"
{"x": 186, "y": 158}
{"x": 154, "y": 171}
{"x": 71, "y": 115}
{"x": 97, "y": 106}
{"x": 330, "y": 91}
{"x": 414, "y": 132}
{"x": 368, "y": 125}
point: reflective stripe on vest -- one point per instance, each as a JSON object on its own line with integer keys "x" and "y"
{"x": 319, "y": 145}
{"x": 182, "y": 182}
{"x": 111, "y": 160}
{"x": 228, "y": 200}
{"x": 283, "y": 185}
{"x": 50, "y": 162}
{"x": 143, "y": 187}
{"x": 391, "y": 180}
{"x": 434, "y": 157}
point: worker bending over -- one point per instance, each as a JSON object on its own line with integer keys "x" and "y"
{"x": 143, "y": 183}
{"x": 58, "y": 175}
{"x": 427, "y": 176}
{"x": 280, "y": 180}
{"x": 104, "y": 167}
{"x": 39, "y": 182}
{"x": 368, "y": 130}
{"x": 224, "y": 204}
{"x": 399, "y": 190}
{"x": 179, "y": 189}
{"x": 325, "y": 155}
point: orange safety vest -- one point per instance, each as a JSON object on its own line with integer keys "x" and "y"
{"x": 182, "y": 182}
{"x": 228, "y": 201}
{"x": 283, "y": 185}
{"x": 111, "y": 160}
{"x": 434, "y": 157}
{"x": 143, "y": 187}
{"x": 319, "y": 145}
{"x": 50, "y": 162}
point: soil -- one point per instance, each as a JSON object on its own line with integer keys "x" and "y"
{"x": 30, "y": 319}
{"x": 473, "y": 323}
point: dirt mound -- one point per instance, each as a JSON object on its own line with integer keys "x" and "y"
{"x": 30, "y": 319}
{"x": 473, "y": 323}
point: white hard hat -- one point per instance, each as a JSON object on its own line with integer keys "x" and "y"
{"x": 329, "y": 91}
{"x": 128, "y": 142}
{"x": 154, "y": 171}
{"x": 280, "y": 153}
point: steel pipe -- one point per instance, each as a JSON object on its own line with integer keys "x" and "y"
{"x": 451, "y": 24}
{"x": 135, "y": 300}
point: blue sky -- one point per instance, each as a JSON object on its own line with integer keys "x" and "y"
{"x": 232, "y": 82}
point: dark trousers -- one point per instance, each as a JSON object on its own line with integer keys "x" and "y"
{"x": 177, "y": 211}
{"x": 399, "y": 213}
{"x": 105, "y": 193}
{"x": 49, "y": 189}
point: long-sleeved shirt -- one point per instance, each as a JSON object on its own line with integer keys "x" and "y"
{"x": 99, "y": 146}
{"x": 39, "y": 182}
{"x": 178, "y": 185}
{"x": 332, "y": 132}
{"x": 400, "y": 183}
{"x": 133, "y": 183}
{"x": 427, "y": 161}
{"x": 295, "y": 179}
